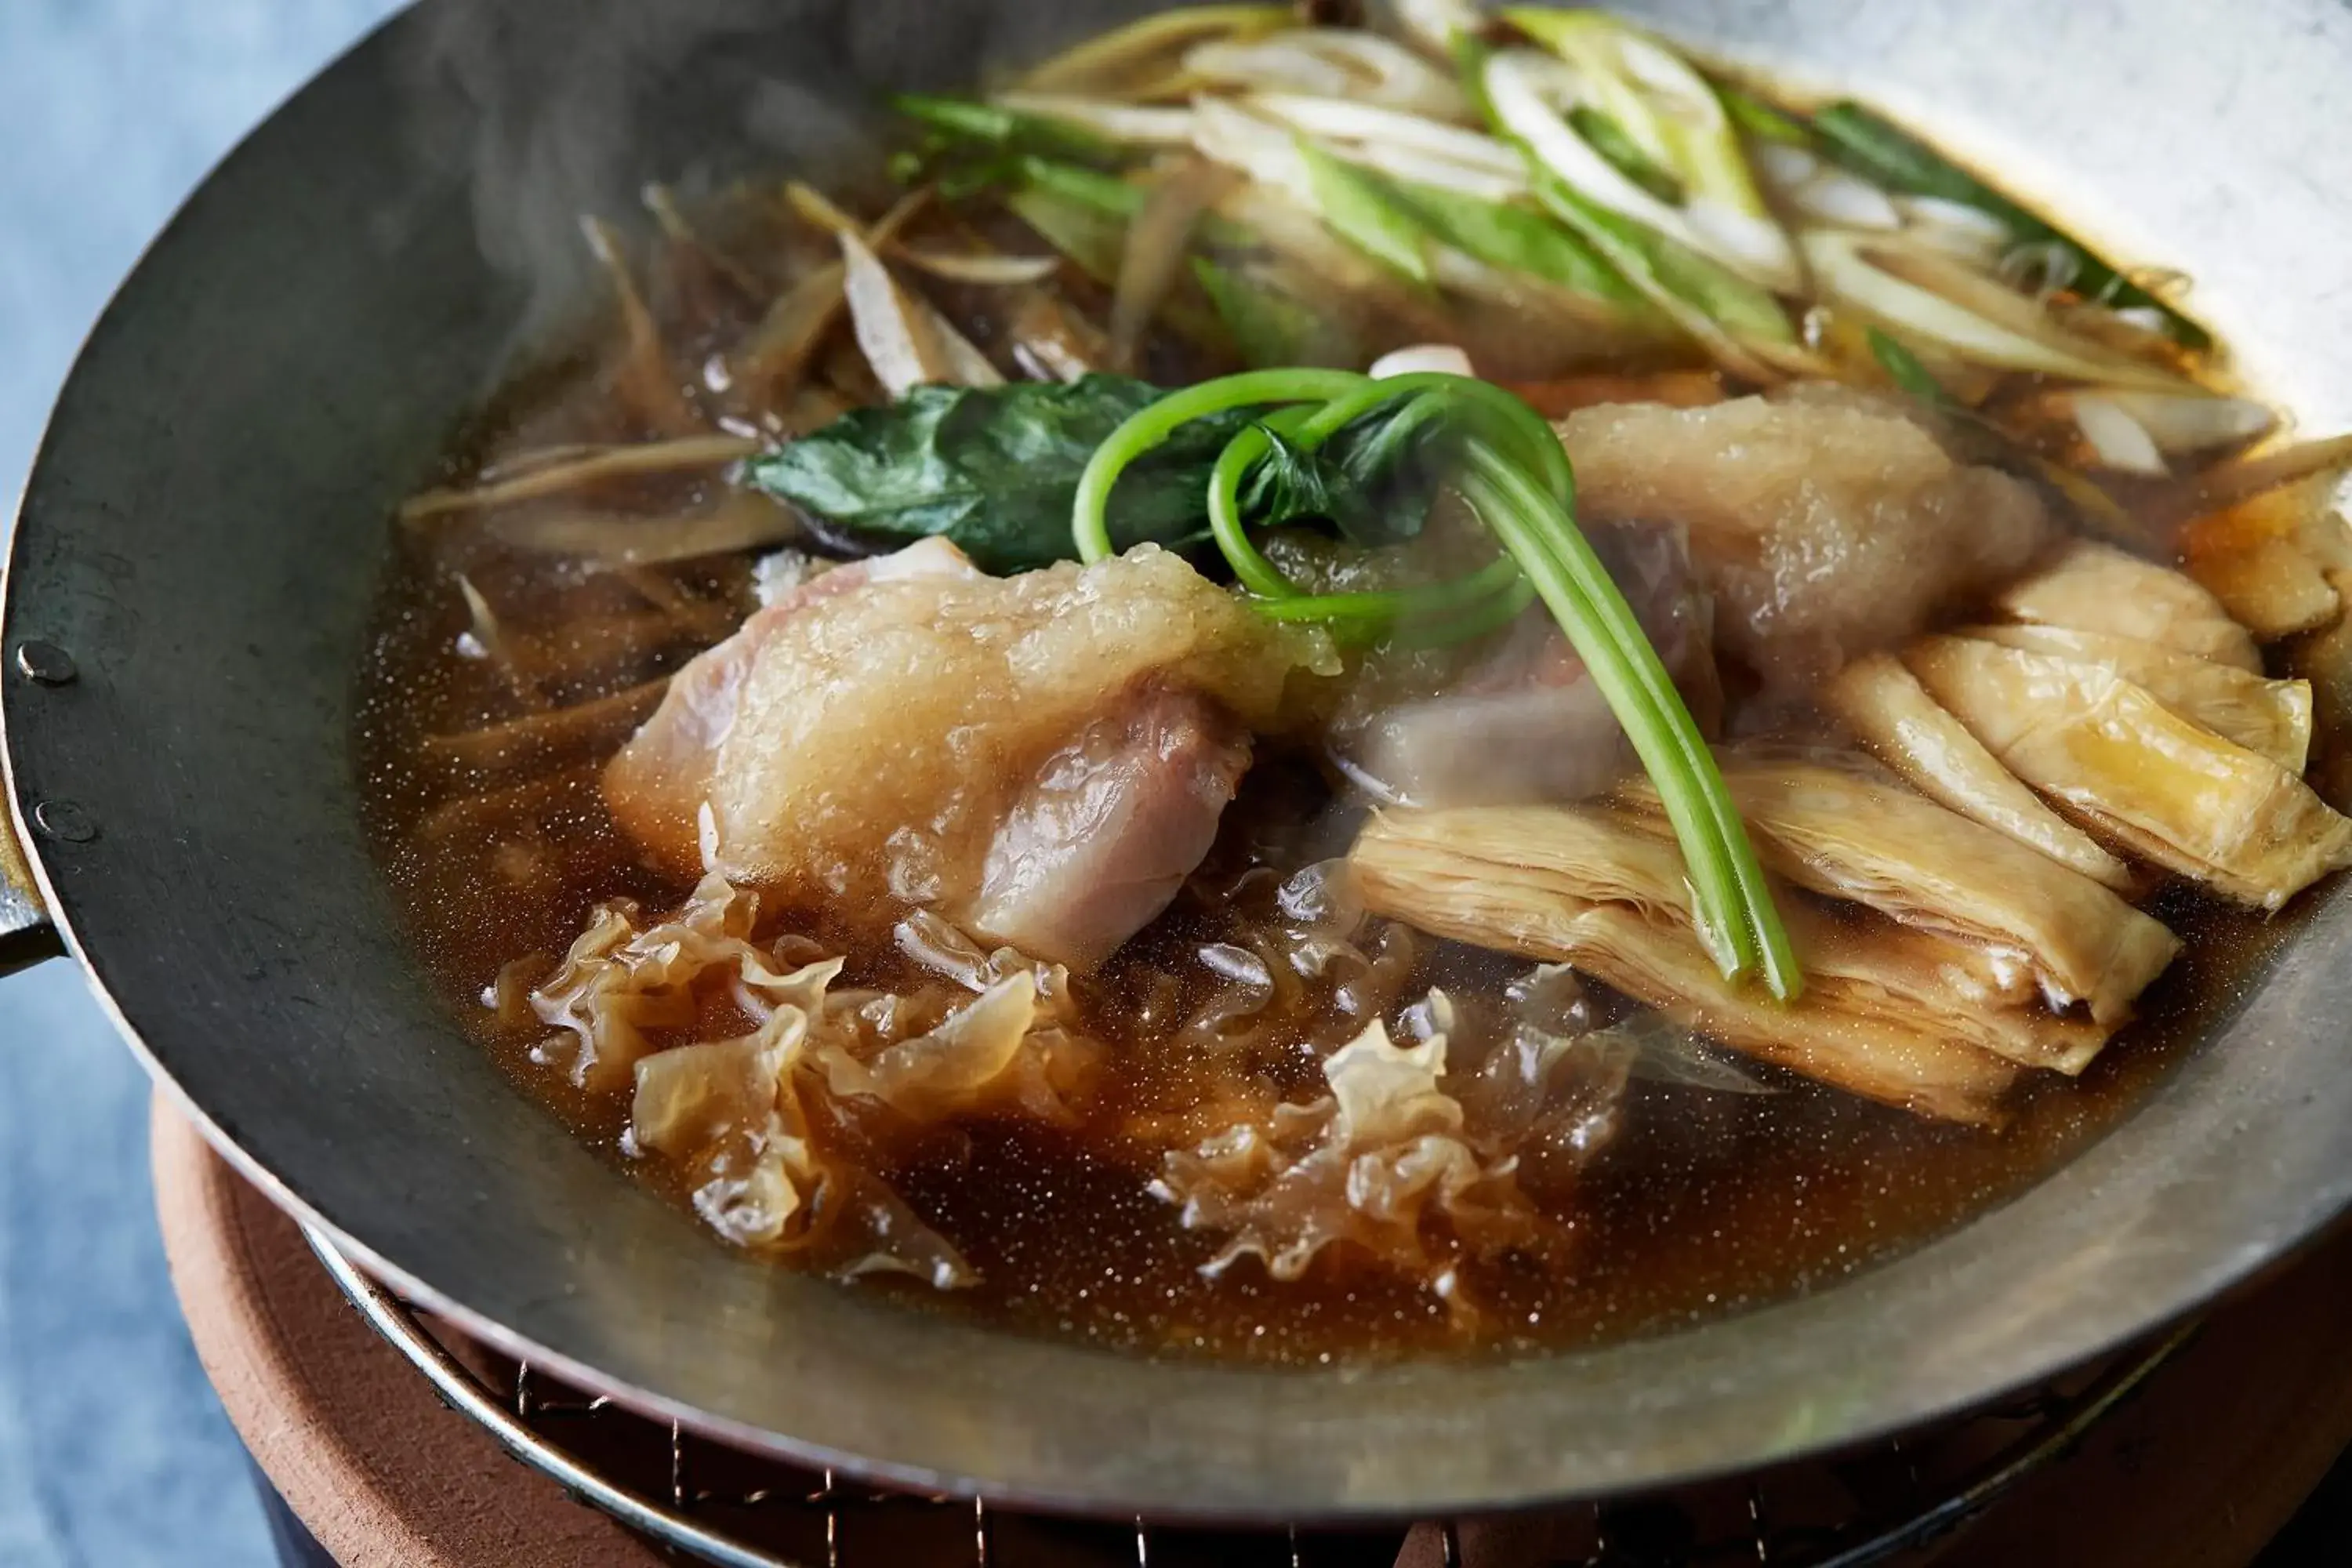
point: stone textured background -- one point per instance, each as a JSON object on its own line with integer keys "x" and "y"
{"x": 113, "y": 1451}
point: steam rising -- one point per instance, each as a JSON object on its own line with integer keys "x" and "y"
{"x": 550, "y": 111}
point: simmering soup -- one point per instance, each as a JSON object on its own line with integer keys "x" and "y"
{"x": 1329, "y": 689}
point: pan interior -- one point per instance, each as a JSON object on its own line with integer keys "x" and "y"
{"x": 207, "y": 524}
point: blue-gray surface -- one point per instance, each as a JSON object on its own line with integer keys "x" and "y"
{"x": 113, "y": 1450}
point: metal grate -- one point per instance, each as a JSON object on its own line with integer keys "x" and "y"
{"x": 711, "y": 1502}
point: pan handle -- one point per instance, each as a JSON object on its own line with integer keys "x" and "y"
{"x": 26, "y": 937}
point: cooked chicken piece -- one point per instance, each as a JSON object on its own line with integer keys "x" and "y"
{"x": 657, "y": 782}
{"x": 2095, "y": 587}
{"x": 1839, "y": 832}
{"x": 2111, "y": 755}
{"x": 2272, "y": 717}
{"x": 1826, "y": 526}
{"x": 1111, "y": 825}
{"x": 1885, "y": 705}
{"x": 861, "y": 745}
{"x": 1892, "y": 1013}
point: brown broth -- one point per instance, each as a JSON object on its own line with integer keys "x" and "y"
{"x": 1705, "y": 1204}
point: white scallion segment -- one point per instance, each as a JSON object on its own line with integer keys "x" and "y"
{"x": 1404, "y": 164}
{"x": 1854, "y": 269}
{"x": 904, "y": 339}
{"x": 1533, "y": 93}
{"x": 1821, "y": 191}
{"x": 1783, "y": 166}
{"x": 1435, "y": 23}
{"x": 1416, "y": 358}
{"x": 1405, "y": 146}
{"x": 990, "y": 272}
{"x": 1115, "y": 58}
{"x": 1267, "y": 152}
{"x": 1349, "y": 120}
{"x": 1966, "y": 232}
{"x": 2121, "y": 442}
{"x": 1836, "y": 196}
{"x": 2193, "y": 422}
{"x": 1129, "y": 125}
{"x": 1333, "y": 62}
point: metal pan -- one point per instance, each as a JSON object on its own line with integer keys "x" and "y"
{"x": 186, "y": 606}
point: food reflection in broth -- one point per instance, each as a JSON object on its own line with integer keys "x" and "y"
{"x": 834, "y": 749}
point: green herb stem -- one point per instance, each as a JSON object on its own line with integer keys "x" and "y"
{"x": 1499, "y": 611}
{"x": 1733, "y": 908}
{"x": 1473, "y": 591}
{"x": 1147, "y": 427}
{"x": 1244, "y": 452}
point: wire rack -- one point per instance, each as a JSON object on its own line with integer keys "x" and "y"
{"x": 707, "y": 1501}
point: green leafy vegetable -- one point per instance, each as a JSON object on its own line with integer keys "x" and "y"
{"x": 1371, "y": 479}
{"x": 994, "y": 468}
{"x": 1880, "y": 151}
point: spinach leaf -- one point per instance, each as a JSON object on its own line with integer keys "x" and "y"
{"x": 996, "y": 470}
{"x": 1372, "y": 481}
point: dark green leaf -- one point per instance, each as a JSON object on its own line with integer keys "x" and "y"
{"x": 995, "y": 469}
{"x": 1291, "y": 484}
{"x": 1371, "y": 480}
{"x": 1884, "y": 153}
